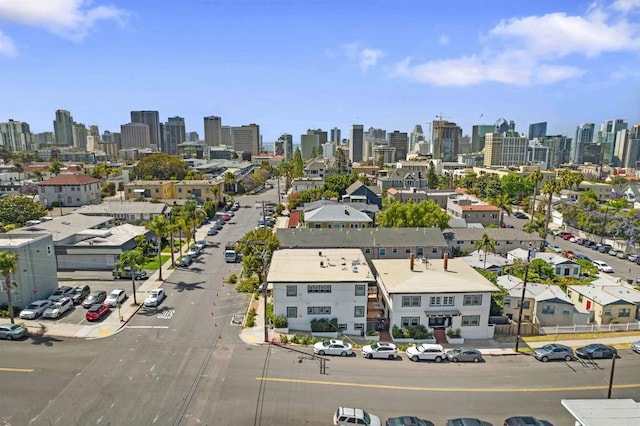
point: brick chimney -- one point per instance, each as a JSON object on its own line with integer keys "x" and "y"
{"x": 446, "y": 261}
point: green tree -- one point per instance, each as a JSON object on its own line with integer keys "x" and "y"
{"x": 55, "y": 166}
{"x": 160, "y": 166}
{"x": 535, "y": 178}
{"x": 230, "y": 182}
{"x": 497, "y": 298}
{"x": 549, "y": 188}
{"x": 298, "y": 164}
{"x": 16, "y": 210}
{"x": 160, "y": 228}
{"x": 133, "y": 259}
{"x": 503, "y": 202}
{"x": 379, "y": 161}
{"x": 8, "y": 266}
{"x": 341, "y": 161}
{"x": 339, "y": 183}
{"x": 432, "y": 176}
{"x": 256, "y": 247}
{"x": 314, "y": 152}
{"x": 516, "y": 186}
{"x": 426, "y": 214}
{"x": 487, "y": 245}
{"x": 108, "y": 189}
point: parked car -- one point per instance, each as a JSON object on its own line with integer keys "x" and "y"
{"x": 467, "y": 421}
{"x": 567, "y": 237}
{"x": 346, "y": 416}
{"x": 554, "y": 248}
{"x": 201, "y": 244}
{"x": 581, "y": 256}
{"x": 212, "y": 231}
{"x": 35, "y": 309}
{"x": 426, "y": 351}
{"x": 553, "y": 351}
{"x": 193, "y": 252}
{"x": 622, "y": 255}
{"x": 636, "y": 346}
{"x": 154, "y": 297}
{"x": 235, "y": 206}
{"x": 58, "y": 308}
{"x": 64, "y": 291}
{"x": 116, "y": 297}
{"x": 569, "y": 254}
{"x": 604, "y": 248}
{"x": 12, "y": 331}
{"x": 596, "y": 351}
{"x": 407, "y": 421}
{"x": 126, "y": 273}
{"x": 384, "y": 350}
{"x": 97, "y": 312}
{"x": 185, "y": 262}
{"x": 603, "y": 266}
{"x": 464, "y": 355}
{"x": 520, "y": 215}
{"x": 80, "y": 293}
{"x": 94, "y": 298}
{"x": 333, "y": 347}
{"x": 632, "y": 257}
{"x": 525, "y": 421}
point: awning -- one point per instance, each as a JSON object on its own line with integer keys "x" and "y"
{"x": 450, "y": 313}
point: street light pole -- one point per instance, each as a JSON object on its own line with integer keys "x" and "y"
{"x": 524, "y": 290}
{"x": 613, "y": 367}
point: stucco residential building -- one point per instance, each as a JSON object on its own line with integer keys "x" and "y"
{"x": 607, "y": 303}
{"x": 71, "y": 190}
{"x": 127, "y": 211}
{"x": 473, "y": 210}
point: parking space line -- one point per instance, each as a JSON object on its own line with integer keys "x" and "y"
{"x": 428, "y": 389}
{"x": 146, "y": 326}
{"x": 16, "y": 370}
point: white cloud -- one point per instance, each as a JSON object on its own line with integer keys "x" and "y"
{"x": 365, "y": 57}
{"x": 7, "y": 48}
{"x": 443, "y": 39}
{"x": 529, "y": 50}
{"x": 70, "y": 19}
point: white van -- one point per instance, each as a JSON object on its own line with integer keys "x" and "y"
{"x": 603, "y": 266}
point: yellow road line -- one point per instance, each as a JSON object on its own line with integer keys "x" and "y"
{"x": 17, "y": 370}
{"x": 427, "y": 389}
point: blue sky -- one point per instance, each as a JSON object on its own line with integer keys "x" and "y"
{"x": 290, "y": 65}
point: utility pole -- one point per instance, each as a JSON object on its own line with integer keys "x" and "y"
{"x": 264, "y": 256}
{"x": 524, "y": 289}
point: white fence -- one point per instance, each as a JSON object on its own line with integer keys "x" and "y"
{"x": 590, "y": 328}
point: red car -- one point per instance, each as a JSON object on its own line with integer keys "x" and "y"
{"x": 567, "y": 237}
{"x": 97, "y": 312}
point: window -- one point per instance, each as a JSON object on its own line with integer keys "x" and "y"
{"x": 435, "y": 301}
{"x": 566, "y": 311}
{"x": 548, "y": 310}
{"x": 448, "y": 300}
{"x": 407, "y": 251}
{"x": 506, "y": 301}
{"x": 321, "y": 288}
{"x": 317, "y": 225}
{"x": 472, "y": 300}
{"x": 319, "y": 310}
{"x": 292, "y": 312}
{"x": 367, "y": 251}
{"x": 420, "y": 251}
{"x": 607, "y": 312}
{"x": 383, "y": 252}
{"x": 394, "y": 250}
{"x": 358, "y": 326}
{"x": 292, "y": 290}
{"x": 410, "y": 321}
{"x": 49, "y": 251}
{"x": 460, "y": 242}
{"x": 342, "y": 327}
{"x": 509, "y": 242}
{"x": 525, "y": 305}
{"x": 470, "y": 320}
{"x": 624, "y": 312}
{"x": 361, "y": 290}
{"x": 580, "y": 298}
{"x": 358, "y": 311}
{"x": 569, "y": 293}
{"x": 410, "y": 301}
{"x": 434, "y": 250}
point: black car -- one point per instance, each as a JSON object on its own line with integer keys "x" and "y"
{"x": 467, "y": 421}
{"x": 407, "y": 421}
{"x": 80, "y": 293}
{"x": 521, "y": 215}
{"x": 64, "y": 291}
{"x": 525, "y": 421}
{"x": 94, "y": 298}
{"x": 596, "y": 351}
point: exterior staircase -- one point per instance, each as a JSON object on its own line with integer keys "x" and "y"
{"x": 440, "y": 335}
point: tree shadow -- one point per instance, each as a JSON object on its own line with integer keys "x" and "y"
{"x": 38, "y": 338}
{"x": 182, "y": 286}
{"x": 150, "y": 311}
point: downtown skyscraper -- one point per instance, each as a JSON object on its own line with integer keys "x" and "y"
{"x": 63, "y": 128}
{"x": 151, "y": 119}
{"x": 213, "y": 130}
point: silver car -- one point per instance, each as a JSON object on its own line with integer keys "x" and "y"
{"x": 35, "y": 309}
{"x": 636, "y": 347}
{"x": 12, "y": 331}
{"x": 553, "y": 351}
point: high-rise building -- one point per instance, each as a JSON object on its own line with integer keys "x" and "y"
{"x": 609, "y": 131}
{"x": 226, "y": 139}
{"x": 584, "y": 135}
{"x": 43, "y": 139}
{"x": 503, "y": 126}
{"x": 16, "y": 136}
{"x": 399, "y": 141}
{"x": 135, "y": 135}
{"x": 477, "y": 135}
{"x": 626, "y": 153}
{"x": 537, "y": 130}
{"x": 94, "y": 131}
{"x": 193, "y": 137}
{"x": 446, "y": 138}
{"x": 63, "y": 128}
{"x": 288, "y": 145}
{"x": 79, "y": 136}
{"x": 505, "y": 149}
{"x": 213, "y": 130}
{"x": 174, "y": 134}
{"x": 416, "y": 137}
{"x": 336, "y": 135}
{"x": 313, "y": 139}
{"x": 151, "y": 119}
{"x": 246, "y": 138}
{"x": 356, "y": 143}
{"x": 559, "y": 149}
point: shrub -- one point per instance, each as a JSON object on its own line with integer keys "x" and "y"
{"x": 305, "y": 340}
{"x": 280, "y": 322}
{"x": 251, "y": 318}
{"x": 313, "y": 341}
{"x": 416, "y": 332}
{"x": 284, "y": 339}
{"x": 270, "y": 313}
{"x": 324, "y": 325}
{"x": 372, "y": 333}
{"x": 453, "y": 333}
{"x": 231, "y": 279}
{"x": 247, "y": 285}
{"x": 295, "y": 339}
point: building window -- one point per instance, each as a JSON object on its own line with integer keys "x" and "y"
{"x": 320, "y": 288}
{"x": 448, "y": 300}
{"x": 566, "y": 311}
{"x": 292, "y": 312}
{"x": 367, "y": 251}
{"x": 435, "y": 301}
{"x": 607, "y": 312}
{"x": 525, "y": 305}
{"x": 410, "y": 321}
{"x": 394, "y": 250}
{"x": 472, "y": 300}
{"x": 361, "y": 290}
{"x": 407, "y": 251}
{"x": 569, "y": 293}
{"x": 317, "y": 225}
{"x": 319, "y": 310}
{"x": 342, "y": 327}
{"x": 420, "y": 251}
{"x": 292, "y": 290}
{"x": 358, "y": 311}
{"x": 470, "y": 320}
{"x": 624, "y": 312}
{"x": 383, "y": 252}
{"x": 509, "y": 242}
{"x": 410, "y": 301}
{"x": 580, "y": 298}
{"x": 358, "y": 326}
{"x": 434, "y": 250}
{"x": 460, "y": 242}
{"x": 49, "y": 251}
{"x": 548, "y": 310}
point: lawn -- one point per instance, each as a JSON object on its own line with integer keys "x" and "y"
{"x": 152, "y": 262}
{"x": 580, "y": 336}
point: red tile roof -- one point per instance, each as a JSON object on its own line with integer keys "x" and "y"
{"x": 481, "y": 207}
{"x": 294, "y": 219}
{"x": 30, "y": 168}
{"x": 70, "y": 179}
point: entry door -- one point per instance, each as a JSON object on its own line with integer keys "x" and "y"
{"x": 436, "y": 322}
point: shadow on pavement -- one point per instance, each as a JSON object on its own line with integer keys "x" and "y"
{"x": 37, "y": 339}
{"x": 182, "y": 286}
{"x": 150, "y": 311}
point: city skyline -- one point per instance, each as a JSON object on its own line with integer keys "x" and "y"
{"x": 324, "y": 65}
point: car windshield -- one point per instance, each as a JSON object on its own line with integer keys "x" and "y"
{"x": 78, "y": 290}
{"x": 375, "y": 346}
{"x": 57, "y": 305}
{"x": 33, "y": 306}
{"x": 366, "y": 417}
{"x": 14, "y": 327}
{"x": 456, "y": 350}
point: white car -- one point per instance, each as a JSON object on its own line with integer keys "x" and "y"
{"x": 382, "y": 350}
{"x": 35, "y": 309}
{"x": 154, "y": 297}
{"x": 115, "y": 297}
{"x": 333, "y": 347}
{"x": 58, "y": 308}
{"x": 603, "y": 266}
{"x": 345, "y": 416}
{"x": 636, "y": 347}
{"x": 427, "y": 352}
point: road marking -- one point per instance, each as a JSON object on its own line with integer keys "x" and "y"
{"x": 427, "y": 389}
{"x": 17, "y": 370}
{"x": 147, "y": 326}
{"x": 168, "y": 314}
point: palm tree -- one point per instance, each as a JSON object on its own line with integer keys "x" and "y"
{"x": 536, "y": 178}
{"x": 133, "y": 259}
{"x": 160, "y": 228}
{"x": 549, "y": 188}
{"x": 576, "y": 179}
{"x": 503, "y": 202}
{"x": 486, "y": 244}
{"x": 8, "y": 265}
{"x": 230, "y": 181}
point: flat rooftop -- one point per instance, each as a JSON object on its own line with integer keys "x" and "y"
{"x": 313, "y": 266}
